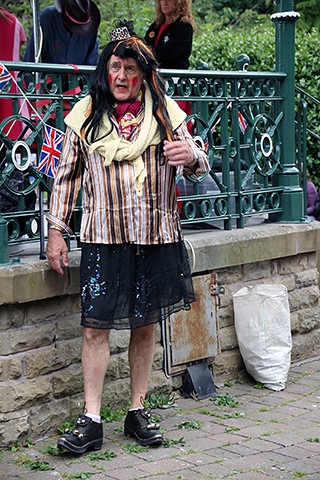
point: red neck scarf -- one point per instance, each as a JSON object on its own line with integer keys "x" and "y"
{"x": 129, "y": 107}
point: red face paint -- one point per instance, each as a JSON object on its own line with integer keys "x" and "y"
{"x": 134, "y": 81}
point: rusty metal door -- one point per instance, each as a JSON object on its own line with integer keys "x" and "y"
{"x": 193, "y": 335}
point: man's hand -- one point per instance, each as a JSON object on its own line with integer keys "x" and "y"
{"x": 178, "y": 152}
{"x": 57, "y": 251}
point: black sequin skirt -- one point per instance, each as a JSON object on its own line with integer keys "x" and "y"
{"x": 129, "y": 286}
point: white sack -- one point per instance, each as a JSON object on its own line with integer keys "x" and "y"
{"x": 262, "y": 323}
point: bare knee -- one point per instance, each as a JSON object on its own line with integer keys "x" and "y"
{"x": 94, "y": 336}
{"x": 143, "y": 333}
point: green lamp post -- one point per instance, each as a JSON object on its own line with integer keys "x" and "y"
{"x": 288, "y": 175}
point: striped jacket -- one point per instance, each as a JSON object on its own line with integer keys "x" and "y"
{"x": 112, "y": 212}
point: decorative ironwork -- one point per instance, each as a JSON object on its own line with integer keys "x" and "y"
{"x": 235, "y": 117}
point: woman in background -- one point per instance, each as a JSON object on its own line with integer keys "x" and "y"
{"x": 12, "y": 36}
{"x": 171, "y": 33}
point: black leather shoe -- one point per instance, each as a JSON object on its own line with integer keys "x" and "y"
{"x": 86, "y": 435}
{"x": 137, "y": 424}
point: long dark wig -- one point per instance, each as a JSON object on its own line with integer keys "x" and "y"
{"x": 102, "y": 98}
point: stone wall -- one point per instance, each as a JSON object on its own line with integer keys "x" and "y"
{"x": 40, "y": 336}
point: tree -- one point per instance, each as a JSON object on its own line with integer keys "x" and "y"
{"x": 310, "y": 12}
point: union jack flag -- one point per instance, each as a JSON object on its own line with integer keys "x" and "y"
{"x": 5, "y": 76}
{"x": 242, "y": 122}
{"x": 51, "y": 150}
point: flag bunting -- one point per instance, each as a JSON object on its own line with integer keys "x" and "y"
{"x": 51, "y": 150}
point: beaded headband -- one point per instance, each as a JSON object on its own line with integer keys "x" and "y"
{"x": 119, "y": 33}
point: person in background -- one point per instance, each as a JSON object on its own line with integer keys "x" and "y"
{"x": 171, "y": 33}
{"x": 69, "y": 34}
{"x": 311, "y": 196}
{"x": 12, "y": 37}
{"x": 123, "y": 145}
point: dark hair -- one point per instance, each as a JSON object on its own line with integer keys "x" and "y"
{"x": 102, "y": 98}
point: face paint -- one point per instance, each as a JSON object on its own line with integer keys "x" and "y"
{"x": 125, "y": 78}
{"x": 134, "y": 81}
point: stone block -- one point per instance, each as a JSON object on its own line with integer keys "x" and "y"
{"x": 14, "y": 427}
{"x": 67, "y": 381}
{"x": 309, "y": 319}
{"x": 113, "y": 369}
{"x": 76, "y": 406}
{"x": 312, "y": 259}
{"x": 69, "y": 326}
{"x": 303, "y": 297}
{"x": 307, "y": 278}
{"x": 17, "y": 395}
{"x": 288, "y": 281}
{"x": 304, "y": 343}
{"x": 158, "y": 358}
{"x": 76, "y": 303}
{"x": 123, "y": 365}
{"x": 48, "y": 309}
{"x": 119, "y": 340}
{"x": 228, "y": 362}
{"x": 11, "y": 316}
{"x": 5, "y": 347}
{"x": 158, "y": 382}
{"x": 225, "y": 315}
{"x": 10, "y": 367}
{"x": 75, "y": 346}
{"x": 295, "y": 321}
{"x": 292, "y": 264}
{"x": 116, "y": 394}
{"x": 225, "y": 298}
{"x": 256, "y": 271}
{"x": 158, "y": 334}
{"x": 227, "y": 276}
{"x": 228, "y": 338}
{"x": 29, "y": 338}
{"x": 47, "y": 417}
{"x": 46, "y": 360}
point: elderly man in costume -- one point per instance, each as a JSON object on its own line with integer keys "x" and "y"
{"x": 123, "y": 145}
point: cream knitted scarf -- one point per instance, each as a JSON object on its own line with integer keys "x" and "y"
{"x": 114, "y": 148}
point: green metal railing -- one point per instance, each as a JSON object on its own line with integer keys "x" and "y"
{"x": 245, "y": 120}
{"x": 236, "y": 115}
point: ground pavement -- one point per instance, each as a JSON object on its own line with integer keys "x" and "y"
{"x": 248, "y": 433}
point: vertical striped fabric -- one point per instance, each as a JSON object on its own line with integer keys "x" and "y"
{"x": 112, "y": 213}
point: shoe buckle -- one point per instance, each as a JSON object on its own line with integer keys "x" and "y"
{"x": 153, "y": 426}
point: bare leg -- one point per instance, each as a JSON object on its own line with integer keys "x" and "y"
{"x": 95, "y": 361}
{"x": 141, "y": 352}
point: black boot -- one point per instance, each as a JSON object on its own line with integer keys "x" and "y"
{"x": 86, "y": 435}
{"x": 137, "y": 424}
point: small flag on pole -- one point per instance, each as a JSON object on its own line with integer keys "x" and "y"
{"x": 242, "y": 122}
{"x": 5, "y": 76}
{"x": 51, "y": 150}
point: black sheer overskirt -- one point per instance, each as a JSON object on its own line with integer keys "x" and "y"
{"x": 129, "y": 286}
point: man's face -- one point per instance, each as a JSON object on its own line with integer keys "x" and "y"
{"x": 125, "y": 78}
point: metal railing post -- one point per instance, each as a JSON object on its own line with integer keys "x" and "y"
{"x": 288, "y": 175}
{"x": 4, "y": 250}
